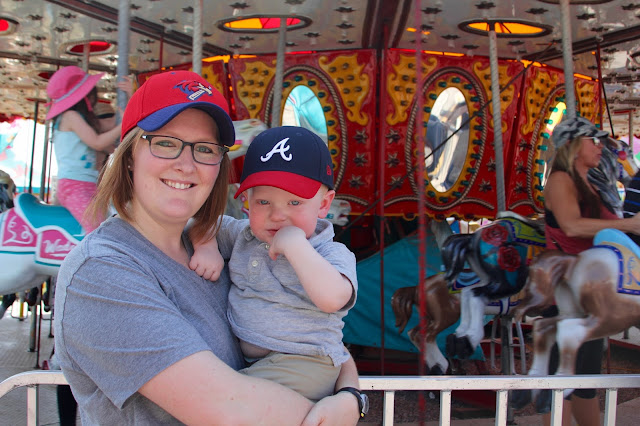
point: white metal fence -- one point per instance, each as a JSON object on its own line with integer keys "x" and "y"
{"x": 390, "y": 384}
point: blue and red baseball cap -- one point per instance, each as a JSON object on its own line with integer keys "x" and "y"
{"x": 165, "y": 95}
{"x": 290, "y": 158}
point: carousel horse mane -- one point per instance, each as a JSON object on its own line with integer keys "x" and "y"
{"x": 616, "y": 164}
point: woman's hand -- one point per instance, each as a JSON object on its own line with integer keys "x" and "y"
{"x": 339, "y": 409}
{"x": 635, "y": 224}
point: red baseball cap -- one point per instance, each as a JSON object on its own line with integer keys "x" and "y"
{"x": 165, "y": 95}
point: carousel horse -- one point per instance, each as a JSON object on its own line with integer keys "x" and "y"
{"x": 443, "y": 310}
{"x": 500, "y": 252}
{"x": 597, "y": 293}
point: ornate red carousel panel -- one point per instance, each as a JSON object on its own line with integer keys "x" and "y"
{"x": 460, "y": 176}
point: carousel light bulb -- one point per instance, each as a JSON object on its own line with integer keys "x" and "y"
{"x": 314, "y": 41}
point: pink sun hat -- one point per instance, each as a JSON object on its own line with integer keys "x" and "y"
{"x": 67, "y": 87}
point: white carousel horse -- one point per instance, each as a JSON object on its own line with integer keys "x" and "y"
{"x": 597, "y": 293}
{"x": 34, "y": 240}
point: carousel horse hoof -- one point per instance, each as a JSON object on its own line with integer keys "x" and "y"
{"x": 450, "y": 346}
{"x": 32, "y": 296}
{"x": 520, "y": 398}
{"x": 463, "y": 348}
{"x": 543, "y": 401}
{"x": 436, "y": 370}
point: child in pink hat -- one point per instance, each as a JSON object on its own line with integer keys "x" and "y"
{"x": 77, "y": 139}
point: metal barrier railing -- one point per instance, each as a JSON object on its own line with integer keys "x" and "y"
{"x": 32, "y": 380}
{"x": 390, "y": 384}
{"x": 502, "y": 385}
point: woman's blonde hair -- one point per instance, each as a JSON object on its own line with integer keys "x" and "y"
{"x": 564, "y": 161}
{"x": 115, "y": 187}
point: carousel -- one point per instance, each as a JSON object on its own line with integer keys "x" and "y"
{"x": 438, "y": 116}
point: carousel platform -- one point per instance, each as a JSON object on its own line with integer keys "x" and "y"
{"x": 629, "y": 339}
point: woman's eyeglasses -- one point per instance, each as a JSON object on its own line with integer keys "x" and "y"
{"x": 169, "y": 147}
{"x": 596, "y": 141}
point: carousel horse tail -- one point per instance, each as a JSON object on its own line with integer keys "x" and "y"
{"x": 454, "y": 254}
{"x": 402, "y": 303}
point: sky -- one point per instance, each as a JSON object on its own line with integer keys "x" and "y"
{"x": 16, "y": 146}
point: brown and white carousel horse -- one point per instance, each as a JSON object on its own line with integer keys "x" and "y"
{"x": 597, "y": 293}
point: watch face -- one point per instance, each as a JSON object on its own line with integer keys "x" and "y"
{"x": 365, "y": 403}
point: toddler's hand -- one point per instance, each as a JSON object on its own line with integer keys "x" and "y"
{"x": 283, "y": 240}
{"x": 207, "y": 261}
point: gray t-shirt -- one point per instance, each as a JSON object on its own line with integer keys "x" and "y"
{"x": 125, "y": 311}
{"x": 268, "y": 306}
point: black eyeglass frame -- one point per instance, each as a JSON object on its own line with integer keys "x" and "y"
{"x": 149, "y": 138}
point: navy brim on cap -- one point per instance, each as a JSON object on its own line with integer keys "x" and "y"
{"x": 159, "y": 118}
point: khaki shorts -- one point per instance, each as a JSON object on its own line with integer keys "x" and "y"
{"x": 314, "y": 377}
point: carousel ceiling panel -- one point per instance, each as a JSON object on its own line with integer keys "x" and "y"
{"x": 40, "y": 34}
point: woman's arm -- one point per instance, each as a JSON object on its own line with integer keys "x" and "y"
{"x": 341, "y": 408}
{"x": 72, "y": 121}
{"x": 201, "y": 389}
{"x": 561, "y": 197}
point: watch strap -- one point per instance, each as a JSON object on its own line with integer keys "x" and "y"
{"x": 357, "y": 394}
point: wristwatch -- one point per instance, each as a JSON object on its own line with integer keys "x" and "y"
{"x": 363, "y": 399}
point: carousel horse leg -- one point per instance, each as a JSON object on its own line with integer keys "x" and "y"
{"x": 7, "y": 301}
{"x": 469, "y": 338}
{"x": 435, "y": 359}
{"x": 451, "y": 346}
{"x": 544, "y": 336}
{"x": 570, "y": 335}
{"x": 437, "y": 364}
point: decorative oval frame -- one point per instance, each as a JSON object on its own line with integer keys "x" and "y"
{"x": 474, "y": 97}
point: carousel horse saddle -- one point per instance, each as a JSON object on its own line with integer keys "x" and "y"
{"x": 628, "y": 254}
{"x": 537, "y": 225}
{"x": 40, "y": 214}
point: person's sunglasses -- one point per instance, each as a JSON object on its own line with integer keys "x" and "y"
{"x": 169, "y": 147}
{"x": 596, "y": 141}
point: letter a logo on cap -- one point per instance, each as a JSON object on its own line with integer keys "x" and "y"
{"x": 279, "y": 148}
